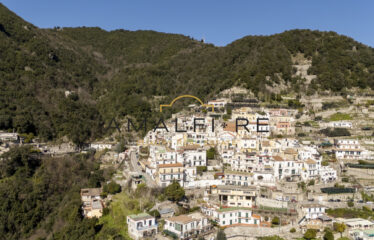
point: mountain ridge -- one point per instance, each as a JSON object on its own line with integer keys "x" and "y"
{"x": 117, "y": 73}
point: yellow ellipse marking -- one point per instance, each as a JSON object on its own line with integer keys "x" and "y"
{"x": 186, "y": 96}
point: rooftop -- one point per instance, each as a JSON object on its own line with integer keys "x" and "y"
{"x": 91, "y": 191}
{"x": 230, "y": 209}
{"x": 181, "y": 219}
{"x": 140, "y": 216}
{"x": 170, "y": 165}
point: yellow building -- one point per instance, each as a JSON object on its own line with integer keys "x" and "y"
{"x": 236, "y": 196}
{"x": 167, "y": 173}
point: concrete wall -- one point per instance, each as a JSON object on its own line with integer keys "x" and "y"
{"x": 270, "y": 203}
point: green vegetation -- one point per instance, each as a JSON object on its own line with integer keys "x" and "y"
{"x": 335, "y": 132}
{"x": 292, "y": 230}
{"x": 362, "y": 164}
{"x": 340, "y": 117}
{"x": 275, "y": 221}
{"x": 211, "y": 153}
{"x": 111, "y": 188}
{"x": 350, "y": 213}
{"x": 310, "y": 234}
{"x": 367, "y": 197}
{"x": 118, "y": 73}
{"x": 174, "y": 192}
{"x": 271, "y": 238}
{"x": 40, "y": 195}
{"x": 337, "y": 189}
{"x": 201, "y": 169}
{"x": 328, "y": 235}
{"x": 123, "y": 204}
{"x": 170, "y": 234}
{"x": 221, "y": 235}
{"x": 340, "y": 228}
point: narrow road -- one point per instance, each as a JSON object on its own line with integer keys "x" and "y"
{"x": 137, "y": 168}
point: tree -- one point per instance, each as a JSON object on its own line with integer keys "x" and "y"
{"x": 155, "y": 213}
{"x": 350, "y": 203}
{"x": 221, "y": 235}
{"x": 340, "y": 227}
{"x": 141, "y": 190}
{"x": 174, "y": 191}
{"x": 311, "y": 182}
{"x": 328, "y": 235}
{"x": 112, "y": 188}
{"x": 210, "y": 153}
{"x": 310, "y": 234}
{"x": 292, "y": 230}
{"x": 275, "y": 220}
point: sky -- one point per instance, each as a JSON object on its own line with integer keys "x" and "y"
{"x": 216, "y": 21}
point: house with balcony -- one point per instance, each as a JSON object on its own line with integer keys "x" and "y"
{"x": 141, "y": 226}
{"x": 188, "y": 226}
{"x": 313, "y": 210}
{"x": 347, "y": 149}
{"x": 167, "y": 173}
{"x": 235, "y": 196}
{"x": 231, "y": 216}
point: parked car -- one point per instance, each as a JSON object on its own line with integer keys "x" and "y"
{"x": 331, "y": 200}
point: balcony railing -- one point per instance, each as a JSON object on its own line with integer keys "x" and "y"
{"x": 147, "y": 227}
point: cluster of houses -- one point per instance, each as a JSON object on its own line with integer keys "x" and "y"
{"x": 243, "y": 144}
{"x": 253, "y": 171}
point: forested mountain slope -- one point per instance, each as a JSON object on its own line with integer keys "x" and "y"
{"x": 117, "y": 73}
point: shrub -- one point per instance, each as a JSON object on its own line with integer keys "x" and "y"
{"x": 170, "y": 234}
{"x": 310, "y": 234}
{"x": 210, "y": 153}
{"x": 292, "y": 230}
{"x": 275, "y": 220}
{"x": 335, "y": 132}
{"x": 328, "y": 235}
{"x": 112, "y": 188}
{"x": 174, "y": 191}
{"x": 155, "y": 213}
{"x": 201, "y": 169}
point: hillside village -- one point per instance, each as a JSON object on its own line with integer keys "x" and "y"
{"x": 247, "y": 169}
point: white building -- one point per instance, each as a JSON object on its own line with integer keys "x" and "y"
{"x": 340, "y": 124}
{"x": 192, "y": 157}
{"x": 141, "y": 226}
{"x": 100, "y": 146}
{"x": 347, "y": 149}
{"x": 219, "y": 103}
{"x": 327, "y": 174}
{"x": 186, "y": 225}
{"x": 313, "y": 210}
{"x": 231, "y": 216}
